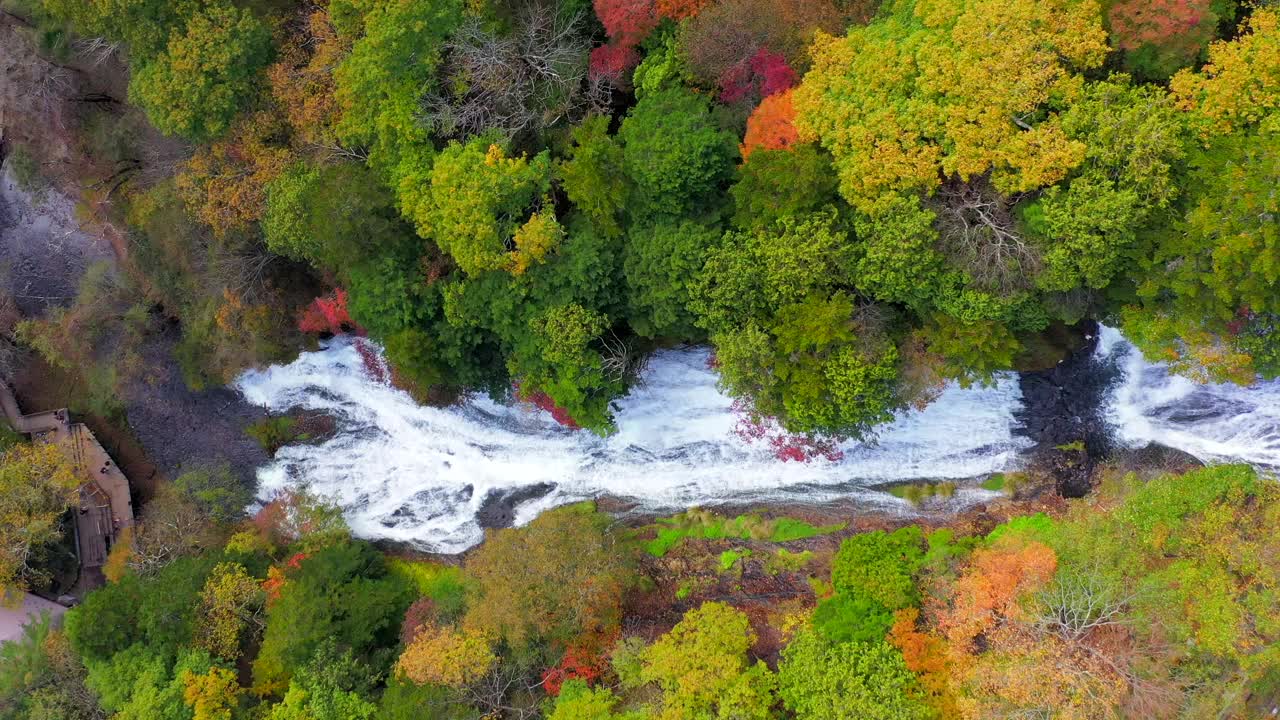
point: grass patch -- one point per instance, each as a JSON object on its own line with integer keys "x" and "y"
{"x": 1076, "y": 446}
{"x": 698, "y": 524}
{"x": 729, "y": 558}
{"x": 786, "y": 561}
{"x": 994, "y": 483}
{"x": 274, "y": 433}
{"x": 916, "y": 493}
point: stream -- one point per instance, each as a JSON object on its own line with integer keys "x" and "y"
{"x": 421, "y": 475}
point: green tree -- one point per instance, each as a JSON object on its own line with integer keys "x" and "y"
{"x": 849, "y": 681}
{"x": 380, "y": 83}
{"x": 660, "y": 262}
{"x": 578, "y": 701}
{"x": 702, "y": 668}
{"x": 206, "y": 74}
{"x": 143, "y": 26}
{"x": 1134, "y": 140}
{"x": 557, "y": 357}
{"x": 592, "y": 174}
{"x": 779, "y": 184}
{"x": 873, "y": 575}
{"x": 481, "y": 205}
{"x": 340, "y": 593}
{"x": 333, "y": 216}
{"x": 816, "y": 367}
{"x": 674, "y": 154}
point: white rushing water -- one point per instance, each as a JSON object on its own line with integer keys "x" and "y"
{"x": 420, "y": 474}
{"x": 1215, "y": 423}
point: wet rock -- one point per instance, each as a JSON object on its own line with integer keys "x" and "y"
{"x": 1154, "y": 459}
{"x": 498, "y": 509}
{"x": 1062, "y": 413}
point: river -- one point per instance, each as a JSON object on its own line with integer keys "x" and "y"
{"x": 420, "y": 474}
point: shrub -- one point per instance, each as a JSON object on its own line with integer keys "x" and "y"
{"x": 273, "y": 433}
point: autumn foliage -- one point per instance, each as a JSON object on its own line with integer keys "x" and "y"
{"x": 786, "y": 446}
{"x": 988, "y": 591}
{"x": 680, "y": 9}
{"x": 578, "y": 663}
{"x": 771, "y": 125}
{"x": 327, "y": 314}
{"x": 1175, "y": 31}
{"x": 764, "y": 74}
{"x": 443, "y": 655}
{"x": 627, "y": 21}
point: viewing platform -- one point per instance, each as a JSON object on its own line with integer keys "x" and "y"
{"x": 106, "y": 506}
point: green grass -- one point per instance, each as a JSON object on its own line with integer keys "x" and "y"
{"x": 730, "y": 558}
{"x": 9, "y": 437}
{"x": 786, "y": 561}
{"x": 705, "y": 525}
{"x": 273, "y": 433}
{"x": 916, "y": 493}
{"x": 1077, "y": 446}
{"x": 994, "y": 483}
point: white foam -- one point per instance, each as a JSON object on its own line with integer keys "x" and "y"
{"x": 1215, "y": 423}
{"x": 419, "y": 474}
{"x": 402, "y": 471}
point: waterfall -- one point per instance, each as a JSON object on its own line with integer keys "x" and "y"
{"x": 420, "y": 474}
{"x": 1215, "y": 423}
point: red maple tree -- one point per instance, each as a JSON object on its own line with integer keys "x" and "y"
{"x": 327, "y": 314}
{"x": 766, "y": 73}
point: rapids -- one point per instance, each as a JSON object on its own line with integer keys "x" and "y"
{"x": 421, "y": 474}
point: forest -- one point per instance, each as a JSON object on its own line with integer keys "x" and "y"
{"x": 1154, "y": 598}
{"x": 854, "y": 203}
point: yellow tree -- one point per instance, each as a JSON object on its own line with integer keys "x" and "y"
{"x": 213, "y": 695}
{"x": 37, "y": 484}
{"x": 224, "y": 183}
{"x": 943, "y": 87}
{"x": 557, "y": 578}
{"x": 230, "y": 606}
{"x": 443, "y": 655}
{"x": 1240, "y": 85}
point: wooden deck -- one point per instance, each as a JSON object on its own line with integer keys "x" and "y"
{"x": 106, "y": 505}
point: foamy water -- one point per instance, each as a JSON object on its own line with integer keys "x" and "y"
{"x": 1215, "y": 423}
{"x": 420, "y": 474}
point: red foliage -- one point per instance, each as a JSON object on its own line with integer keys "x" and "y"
{"x": 1137, "y": 22}
{"x": 543, "y": 401}
{"x": 327, "y": 314}
{"x": 419, "y": 616}
{"x": 612, "y": 60}
{"x": 680, "y": 9}
{"x": 375, "y": 365}
{"x": 578, "y": 664}
{"x": 627, "y": 21}
{"x": 278, "y": 577}
{"x": 1244, "y": 316}
{"x": 786, "y": 446}
{"x": 771, "y": 126}
{"x": 767, "y": 73}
